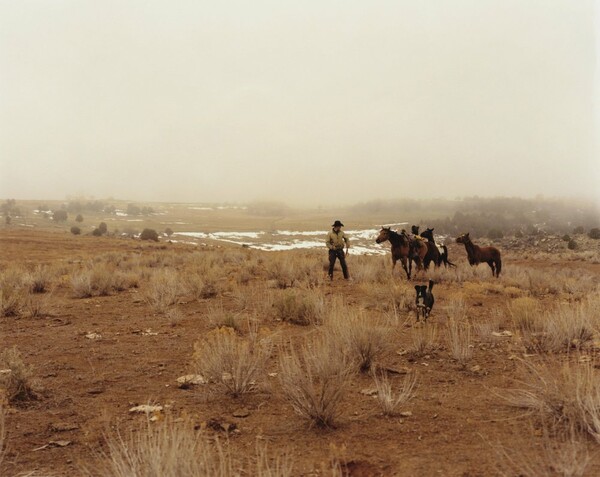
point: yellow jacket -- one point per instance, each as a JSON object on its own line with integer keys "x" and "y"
{"x": 336, "y": 240}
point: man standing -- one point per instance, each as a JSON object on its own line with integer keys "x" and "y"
{"x": 336, "y": 239}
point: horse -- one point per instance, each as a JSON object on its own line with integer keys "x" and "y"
{"x": 404, "y": 248}
{"x": 477, "y": 254}
{"x": 400, "y": 248}
{"x": 431, "y": 253}
{"x": 442, "y": 250}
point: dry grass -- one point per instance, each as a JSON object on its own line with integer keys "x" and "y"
{"x": 168, "y": 449}
{"x": 301, "y": 307}
{"x": 362, "y": 339}
{"x": 12, "y": 292}
{"x": 565, "y": 456}
{"x": 101, "y": 280}
{"x": 35, "y": 307}
{"x": 232, "y": 362}
{"x": 567, "y": 396}
{"x": 459, "y": 331}
{"x": 40, "y": 279}
{"x": 16, "y": 378}
{"x": 423, "y": 339}
{"x": 387, "y": 399}
{"x": 164, "y": 289}
{"x": 315, "y": 380}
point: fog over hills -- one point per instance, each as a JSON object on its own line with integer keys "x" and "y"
{"x": 311, "y": 104}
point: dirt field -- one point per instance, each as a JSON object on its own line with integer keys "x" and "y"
{"x": 93, "y": 358}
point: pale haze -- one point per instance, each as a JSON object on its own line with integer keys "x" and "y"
{"x": 311, "y": 103}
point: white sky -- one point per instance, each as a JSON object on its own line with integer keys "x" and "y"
{"x": 316, "y": 102}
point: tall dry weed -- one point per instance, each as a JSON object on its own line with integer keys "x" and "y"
{"x": 164, "y": 289}
{"x": 16, "y": 377}
{"x": 300, "y": 307}
{"x": 364, "y": 340}
{"x": 232, "y": 362}
{"x": 390, "y": 401}
{"x": 166, "y": 449}
{"x": 315, "y": 380}
{"x": 567, "y": 396}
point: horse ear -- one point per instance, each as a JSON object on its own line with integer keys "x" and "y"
{"x": 432, "y": 229}
{"x": 467, "y": 234}
{"x": 417, "y": 288}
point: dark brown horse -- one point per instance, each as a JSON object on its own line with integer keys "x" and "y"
{"x": 405, "y": 249}
{"x": 422, "y": 251}
{"x": 442, "y": 255}
{"x": 477, "y": 254}
{"x": 400, "y": 248}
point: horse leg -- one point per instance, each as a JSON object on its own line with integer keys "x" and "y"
{"x": 492, "y": 266}
{"x": 406, "y": 269}
{"x": 393, "y": 265}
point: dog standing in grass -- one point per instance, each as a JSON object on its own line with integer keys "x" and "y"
{"x": 424, "y": 300}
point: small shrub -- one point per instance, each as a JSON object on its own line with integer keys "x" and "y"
{"x": 300, "y": 308}
{"x": 12, "y": 292}
{"x": 60, "y": 215}
{"x": 75, "y": 230}
{"x": 572, "y": 245}
{"x": 385, "y": 394}
{"x": 164, "y": 289}
{"x": 149, "y": 234}
{"x": 168, "y": 232}
{"x": 423, "y": 339}
{"x": 79, "y": 218}
{"x": 566, "y": 238}
{"x": 166, "y": 449}
{"x": 594, "y": 233}
{"x": 363, "y": 340}
{"x": 97, "y": 233}
{"x": 315, "y": 380}
{"x": 39, "y": 279}
{"x": 578, "y": 230}
{"x": 230, "y": 361}
{"x": 16, "y": 377}
{"x": 103, "y": 228}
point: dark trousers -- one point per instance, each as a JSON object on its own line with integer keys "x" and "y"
{"x": 337, "y": 254}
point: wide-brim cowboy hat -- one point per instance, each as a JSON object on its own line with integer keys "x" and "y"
{"x": 337, "y": 223}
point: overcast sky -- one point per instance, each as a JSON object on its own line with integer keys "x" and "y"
{"x": 315, "y": 102}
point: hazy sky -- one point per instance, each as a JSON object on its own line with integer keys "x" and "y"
{"x": 321, "y": 102}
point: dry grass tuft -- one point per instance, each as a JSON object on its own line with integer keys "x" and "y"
{"x": 458, "y": 331}
{"x": 12, "y": 292}
{"x": 230, "y": 361}
{"x": 568, "y": 396}
{"x": 315, "y": 380}
{"x": 168, "y": 449}
{"x": 16, "y": 378}
{"x": 164, "y": 290}
{"x": 40, "y": 279}
{"x": 388, "y": 401}
{"x": 560, "y": 453}
{"x": 423, "y": 339}
{"x": 305, "y": 307}
{"x": 363, "y": 340}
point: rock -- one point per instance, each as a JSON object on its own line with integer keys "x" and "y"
{"x": 476, "y": 369}
{"x": 146, "y": 408}
{"x": 243, "y": 412}
{"x": 93, "y": 336}
{"x": 369, "y": 391}
{"x": 394, "y": 370}
{"x": 405, "y": 414}
{"x": 95, "y": 391}
{"x": 504, "y": 333}
{"x": 272, "y": 375}
{"x": 63, "y": 427}
{"x": 189, "y": 380}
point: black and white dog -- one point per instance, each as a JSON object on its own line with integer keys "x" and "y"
{"x": 424, "y": 300}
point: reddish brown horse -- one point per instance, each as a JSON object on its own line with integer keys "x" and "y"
{"x": 403, "y": 249}
{"x": 477, "y": 254}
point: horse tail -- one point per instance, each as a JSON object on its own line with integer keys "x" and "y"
{"x": 445, "y": 257}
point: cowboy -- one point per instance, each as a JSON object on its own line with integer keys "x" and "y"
{"x": 335, "y": 243}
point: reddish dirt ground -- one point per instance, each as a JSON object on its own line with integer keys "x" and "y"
{"x": 88, "y": 385}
